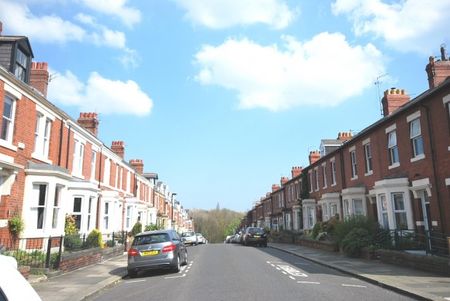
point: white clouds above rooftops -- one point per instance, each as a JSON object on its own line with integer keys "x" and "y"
{"x": 218, "y": 14}
{"x": 324, "y": 71}
{"x": 100, "y": 94}
{"x": 409, "y": 25}
{"x": 116, "y": 8}
{"x": 53, "y": 29}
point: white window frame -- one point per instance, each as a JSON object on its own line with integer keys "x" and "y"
{"x": 38, "y": 206}
{"x": 107, "y": 171}
{"x": 324, "y": 175}
{"x": 416, "y": 139}
{"x": 311, "y": 182}
{"x": 57, "y": 198}
{"x": 9, "y": 120}
{"x": 42, "y": 135}
{"x": 354, "y": 164}
{"x": 368, "y": 158}
{"x": 393, "y": 151}
{"x": 309, "y": 213}
{"x": 349, "y": 197}
{"x": 106, "y": 212}
{"x": 333, "y": 172}
{"x": 93, "y": 164}
{"x": 78, "y": 213}
{"x": 316, "y": 178}
{"x": 78, "y": 158}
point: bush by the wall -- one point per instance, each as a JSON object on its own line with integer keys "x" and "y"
{"x": 72, "y": 242}
{"x": 94, "y": 239}
{"x": 355, "y": 240}
{"x": 137, "y": 228}
{"x": 341, "y": 229}
{"x": 151, "y": 227}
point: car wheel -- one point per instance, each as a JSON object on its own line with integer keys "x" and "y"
{"x": 185, "y": 261}
{"x": 132, "y": 273}
{"x": 177, "y": 266}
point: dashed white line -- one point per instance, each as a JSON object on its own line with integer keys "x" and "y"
{"x": 353, "y": 285}
{"x": 172, "y": 277}
{"x": 308, "y": 282}
{"x": 284, "y": 272}
{"x": 293, "y": 278}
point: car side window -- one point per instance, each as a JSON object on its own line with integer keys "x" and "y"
{"x": 176, "y": 236}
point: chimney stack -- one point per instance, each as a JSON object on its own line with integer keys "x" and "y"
{"x": 275, "y": 187}
{"x": 296, "y": 171}
{"x": 89, "y": 121}
{"x": 284, "y": 180}
{"x": 393, "y": 99}
{"x": 344, "y": 136}
{"x": 314, "y": 156}
{"x": 39, "y": 77}
{"x": 118, "y": 147}
{"x": 438, "y": 71}
{"x": 138, "y": 165}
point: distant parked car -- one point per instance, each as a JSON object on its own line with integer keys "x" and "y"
{"x": 255, "y": 236}
{"x": 162, "y": 249}
{"x": 189, "y": 238}
{"x": 200, "y": 238}
{"x": 228, "y": 239}
{"x": 13, "y": 286}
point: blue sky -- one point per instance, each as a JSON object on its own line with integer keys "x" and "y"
{"x": 222, "y": 97}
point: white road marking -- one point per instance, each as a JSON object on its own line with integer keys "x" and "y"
{"x": 284, "y": 272}
{"x": 308, "y": 282}
{"x": 447, "y": 298}
{"x": 292, "y": 271}
{"x": 278, "y": 269}
{"x": 172, "y": 277}
{"x": 354, "y": 285}
{"x": 293, "y": 278}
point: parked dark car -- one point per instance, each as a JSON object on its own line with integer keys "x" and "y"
{"x": 254, "y": 236}
{"x": 162, "y": 249}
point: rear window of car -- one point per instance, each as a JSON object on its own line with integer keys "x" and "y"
{"x": 187, "y": 234}
{"x": 256, "y": 230}
{"x": 150, "y": 239}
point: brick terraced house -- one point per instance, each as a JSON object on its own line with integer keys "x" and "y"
{"x": 396, "y": 170}
{"x": 52, "y": 165}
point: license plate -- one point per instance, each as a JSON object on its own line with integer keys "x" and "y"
{"x": 256, "y": 236}
{"x": 150, "y": 253}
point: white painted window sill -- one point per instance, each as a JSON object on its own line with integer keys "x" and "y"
{"x": 354, "y": 178}
{"x": 8, "y": 145}
{"x": 395, "y": 165}
{"x": 418, "y": 158}
{"x": 368, "y": 173}
{"x": 40, "y": 158}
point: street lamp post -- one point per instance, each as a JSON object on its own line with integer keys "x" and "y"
{"x": 173, "y": 207}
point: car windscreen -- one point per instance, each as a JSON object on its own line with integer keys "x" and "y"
{"x": 150, "y": 239}
{"x": 185, "y": 234}
{"x": 256, "y": 230}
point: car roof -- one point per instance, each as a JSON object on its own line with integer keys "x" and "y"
{"x": 155, "y": 232}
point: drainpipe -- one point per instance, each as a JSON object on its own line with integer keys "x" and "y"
{"x": 99, "y": 198}
{"x": 433, "y": 160}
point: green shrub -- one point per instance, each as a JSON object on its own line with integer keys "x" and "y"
{"x": 72, "y": 242}
{"x": 341, "y": 229}
{"x": 355, "y": 240}
{"x": 94, "y": 239}
{"x": 137, "y": 228}
{"x": 35, "y": 258}
{"x": 316, "y": 230}
{"x": 382, "y": 239}
{"x": 151, "y": 227}
{"x": 70, "y": 227}
{"x": 16, "y": 226}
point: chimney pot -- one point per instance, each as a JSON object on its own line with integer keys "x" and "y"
{"x": 393, "y": 99}
{"x": 118, "y": 147}
{"x": 437, "y": 71}
{"x": 89, "y": 121}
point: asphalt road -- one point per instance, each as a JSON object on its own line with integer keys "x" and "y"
{"x": 234, "y": 272}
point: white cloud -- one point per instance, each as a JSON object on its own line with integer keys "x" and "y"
{"x": 409, "y": 25}
{"x": 324, "y": 71}
{"x": 219, "y": 14}
{"x": 118, "y": 8}
{"x": 18, "y": 18}
{"x": 100, "y": 94}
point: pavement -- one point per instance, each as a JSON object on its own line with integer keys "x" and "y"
{"x": 84, "y": 283}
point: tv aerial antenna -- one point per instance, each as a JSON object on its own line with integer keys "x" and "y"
{"x": 378, "y": 83}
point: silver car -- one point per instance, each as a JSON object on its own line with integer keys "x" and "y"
{"x": 190, "y": 238}
{"x": 162, "y": 249}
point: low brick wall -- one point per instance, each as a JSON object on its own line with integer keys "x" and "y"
{"x": 75, "y": 260}
{"x": 318, "y": 244}
{"x": 433, "y": 264}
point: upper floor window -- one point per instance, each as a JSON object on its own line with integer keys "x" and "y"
{"x": 316, "y": 178}
{"x": 311, "y": 182}
{"x": 42, "y": 135}
{"x": 324, "y": 174}
{"x": 93, "y": 164}
{"x": 107, "y": 172}
{"x": 415, "y": 134}
{"x": 20, "y": 68}
{"x": 393, "y": 148}
{"x": 333, "y": 172}
{"x": 353, "y": 162}
{"x": 8, "y": 118}
{"x": 368, "y": 157}
{"x": 78, "y": 157}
